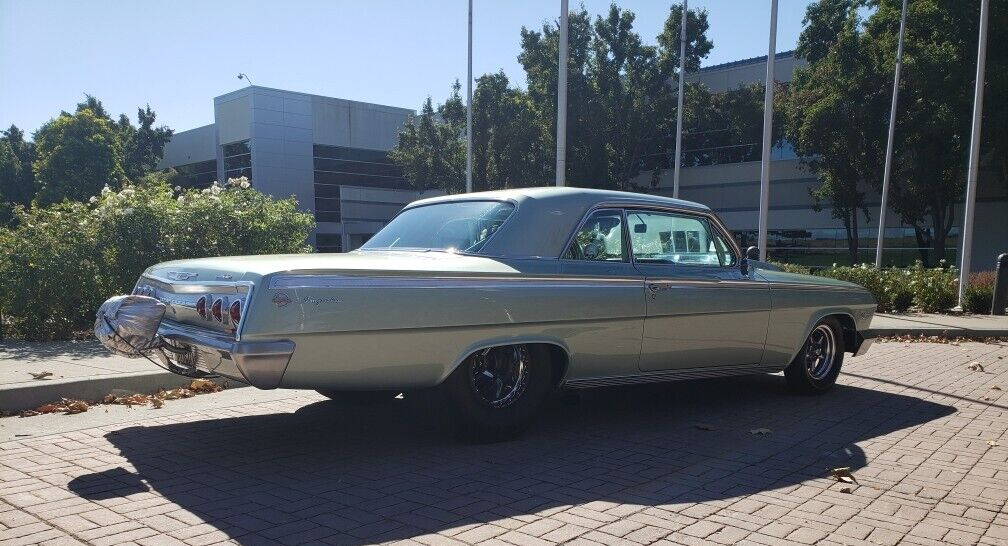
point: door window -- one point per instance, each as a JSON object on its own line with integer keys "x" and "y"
{"x": 600, "y": 239}
{"x": 668, "y": 238}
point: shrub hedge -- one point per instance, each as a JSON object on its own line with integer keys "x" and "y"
{"x": 60, "y": 262}
{"x": 926, "y": 289}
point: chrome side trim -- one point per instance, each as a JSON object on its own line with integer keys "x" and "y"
{"x": 360, "y": 281}
{"x": 659, "y": 377}
{"x": 812, "y": 286}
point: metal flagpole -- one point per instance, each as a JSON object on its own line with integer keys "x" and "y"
{"x": 561, "y": 136}
{"x": 889, "y": 142}
{"x": 767, "y": 133}
{"x": 679, "y": 111}
{"x": 469, "y": 158}
{"x": 974, "y": 157}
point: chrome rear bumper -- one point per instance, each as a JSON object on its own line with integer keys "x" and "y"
{"x": 261, "y": 364}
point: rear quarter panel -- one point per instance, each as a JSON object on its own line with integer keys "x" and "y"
{"x": 411, "y": 330}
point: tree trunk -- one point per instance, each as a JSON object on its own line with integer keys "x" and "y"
{"x": 923, "y": 243}
{"x": 847, "y": 227}
{"x": 853, "y": 238}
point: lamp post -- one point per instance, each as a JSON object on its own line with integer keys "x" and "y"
{"x": 974, "y": 154}
{"x": 889, "y": 142}
{"x": 469, "y": 158}
{"x": 679, "y": 111}
{"x": 767, "y": 133}
{"x": 244, "y": 76}
{"x": 561, "y": 136}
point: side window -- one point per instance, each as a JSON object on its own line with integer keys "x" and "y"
{"x": 661, "y": 237}
{"x": 724, "y": 249}
{"x": 600, "y": 239}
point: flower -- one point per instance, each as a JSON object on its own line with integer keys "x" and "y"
{"x": 93, "y": 200}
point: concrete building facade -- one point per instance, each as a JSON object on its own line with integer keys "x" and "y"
{"x": 329, "y": 153}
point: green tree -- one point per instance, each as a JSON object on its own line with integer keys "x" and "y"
{"x": 431, "y": 150}
{"x": 834, "y": 109}
{"x": 78, "y": 154}
{"x": 507, "y": 148}
{"x": 839, "y": 108}
{"x": 17, "y": 182}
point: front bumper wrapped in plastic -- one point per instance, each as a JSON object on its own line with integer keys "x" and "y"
{"x": 261, "y": 364}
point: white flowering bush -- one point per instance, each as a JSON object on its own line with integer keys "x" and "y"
{"x": 62, "y": 261}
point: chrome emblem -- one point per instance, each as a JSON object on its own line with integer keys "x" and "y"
{"x": 182, "y": 275}
{"x": 281, "y": 299}
{"x": 224, "y": 277}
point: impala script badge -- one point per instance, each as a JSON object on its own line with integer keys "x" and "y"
{"x": 281, "y": 299}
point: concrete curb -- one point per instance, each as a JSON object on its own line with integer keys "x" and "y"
{"x": 942, "y": 332}
{"x": 32, "y": 395}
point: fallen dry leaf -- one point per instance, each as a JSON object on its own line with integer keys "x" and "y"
{"x": 50, "y": 408}
{"x": 992, "y": 443}
{"x": 29, "y": 413}
{"x": 996, "y": 388}
{"x": 204, "y": 385}
{"x": 842, "y": 474}
{"x": 704, "y": 426}
{"x": 845, "y": 490}
{"x": 75, "y": 406}
{"x": 975, "y": 366}
{"x": 40, "y": 375}
{"x": 157, "y": 403}
{"x": 761, "y": 431}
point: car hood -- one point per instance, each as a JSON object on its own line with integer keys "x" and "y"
{"x": 783, "y": 277}
{"x": 252, "y": 268}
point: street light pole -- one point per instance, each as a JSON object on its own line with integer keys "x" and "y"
{"x": 767, "y": 133}
{"x": 561, "y": 136}
{"x": 974, "y": 154}
{"x": 679, "y": 111}
{"x": 469, "y": 138}
{"x": 889, "y": 142}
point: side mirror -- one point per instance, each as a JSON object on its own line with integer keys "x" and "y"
{"x": 640, "y": 228}
{"x": 751, "y": 253}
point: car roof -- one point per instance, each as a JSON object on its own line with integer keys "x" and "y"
{"x": 545, "y": 217}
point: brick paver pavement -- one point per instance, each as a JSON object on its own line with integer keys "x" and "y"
{"x": 623, "y": 466}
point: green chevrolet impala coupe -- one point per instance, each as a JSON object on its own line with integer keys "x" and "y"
{"x": 499, "y": 298}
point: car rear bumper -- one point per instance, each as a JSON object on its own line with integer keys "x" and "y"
{"x": 261, "y": 364}
{"x": 862, "y": 342}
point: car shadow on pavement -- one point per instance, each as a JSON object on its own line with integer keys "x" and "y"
{"x": 363, "y": 475}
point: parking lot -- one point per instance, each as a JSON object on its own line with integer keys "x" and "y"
{"x": 922, "y": 427}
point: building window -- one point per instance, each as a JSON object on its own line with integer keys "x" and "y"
{"x": 329, "y": 242}
{"x": 337, "y": 166}
{"x": 237, "y": 160}
{"x": 196, "y": 175}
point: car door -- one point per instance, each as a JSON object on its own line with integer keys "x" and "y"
{"x": 701, "y": 311}
{"x": 607, "y": 306}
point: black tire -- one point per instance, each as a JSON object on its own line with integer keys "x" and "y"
{"x": 815, "y": 368}
{"x": 491, "y": 408}
{"x": 359, "y": 398}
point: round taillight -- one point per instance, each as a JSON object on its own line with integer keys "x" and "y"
{"x": 215, "y": 310}
{"x": 235, "y": 312}
{"x": 201, "y": 307}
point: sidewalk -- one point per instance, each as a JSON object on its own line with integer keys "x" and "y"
{"x": 82, "y": 370}
{"x": 976, "y": 326}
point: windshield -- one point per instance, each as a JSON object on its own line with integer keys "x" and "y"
{"x": 463, "y": 226}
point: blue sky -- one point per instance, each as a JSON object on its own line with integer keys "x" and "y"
{"x": 177, "y": 55}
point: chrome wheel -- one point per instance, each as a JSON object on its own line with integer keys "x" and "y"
{"x": 820, "y": 352}
{"x": 498, "y": 376}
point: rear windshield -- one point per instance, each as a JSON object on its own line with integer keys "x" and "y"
{"x": 463, "y": 226}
